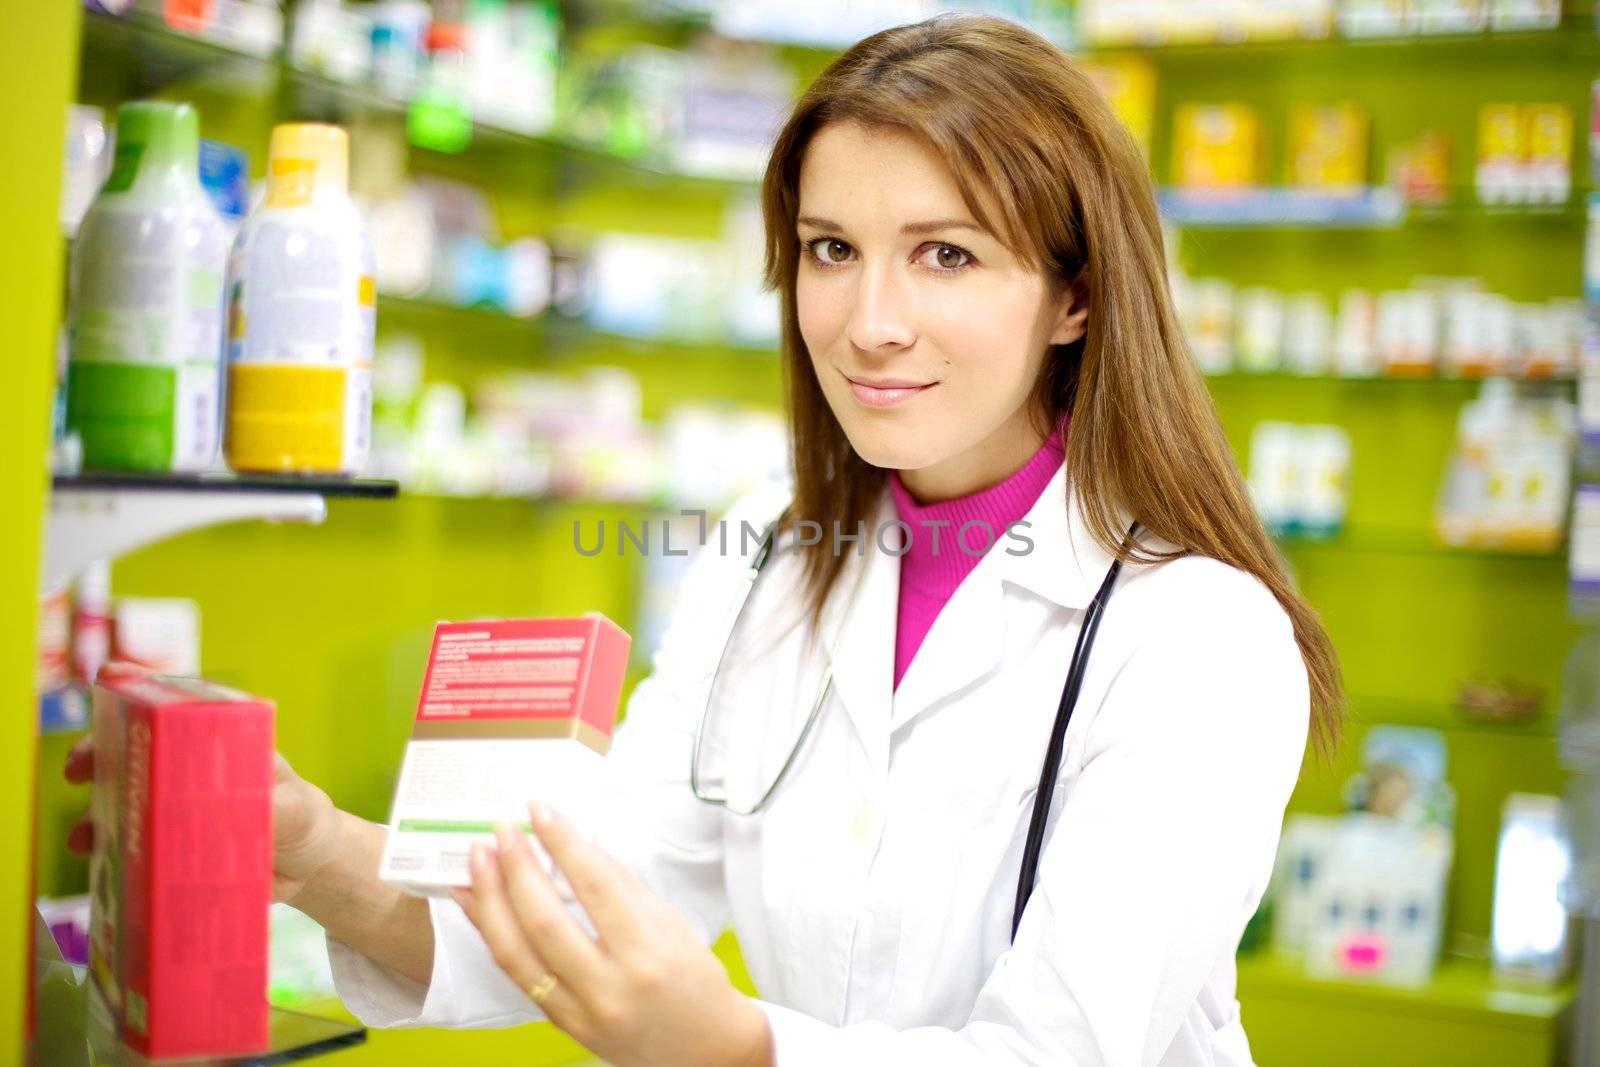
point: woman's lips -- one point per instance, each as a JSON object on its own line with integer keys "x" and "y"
{"x": 884, "y": 396}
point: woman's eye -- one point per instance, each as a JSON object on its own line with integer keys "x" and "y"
{"x": 828, "y": 251}
{"x": 947, "y": 257}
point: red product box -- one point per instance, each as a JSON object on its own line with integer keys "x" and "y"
{"x": 181, "y": 874}
{"x": 511, "y": 710}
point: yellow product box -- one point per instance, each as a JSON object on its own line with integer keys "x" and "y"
{"x": 1420, "y": 169}
{"x": 1328, "y": 145}
{"x": 1129, "y": 86}
{"x": 1216, "y": 146}
{"x": 1501, "y": 148}
{"x": 1547, "y": 167}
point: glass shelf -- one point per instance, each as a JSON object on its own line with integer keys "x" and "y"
{"x": 163, "y": 56}
{"x": 75, "y": 1030}
{"x": 1372, "y": 207}
{"x": 1460, "y": 990}
{"x": 97, "y": 515}
{"x": 1392, "y": 711}
{"x": 1576, "y": 31}
{"x": 1375, "y": 207}
{"x": 1372, "y": 380}
{"x": 221, "y": 482}
{"x": 422, "y": 307}
{"x": 1374, "y": 540}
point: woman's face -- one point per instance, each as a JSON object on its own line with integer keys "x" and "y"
{"x": 926, "y": 334}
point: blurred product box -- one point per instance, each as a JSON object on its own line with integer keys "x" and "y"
{"x": 1328, "y": 146}
{"x": 55, "y": 640}
{"x": 510, "y": 711}
{"x": 1524, "y": 154}
{"x": 1110, "y": 23}
{"x": 1451, "y": 16}
{"x": 1216, "y": 146}
{"x": 1355, "y": 335}
{"x": 1420, "y": 168}
{"x": 1507, "y": 483}
{"x": 1259, "y": 340}
{"x": 1308, "y": 335}
{"x": 1129, "y": 86}
{"x": 1299, "y": 478}
{"x": 159, "y": 634}
{"x": 1362, "y": 895}
{"x": 1375, "y": 18}
{"x": 88, "y": 163}
{"x": 181, "y": 874}
{"x": 1501, "y": 148}
{"x": 1534, "y": 858}
{"x": 1547, "y": 171}
{"x": 1524, "y": 14}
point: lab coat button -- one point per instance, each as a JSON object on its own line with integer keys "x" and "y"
{"x": 862, "y": 826}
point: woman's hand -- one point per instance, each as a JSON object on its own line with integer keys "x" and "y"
{"x": 647, "y": 993}
{"x": 305, "y": 825}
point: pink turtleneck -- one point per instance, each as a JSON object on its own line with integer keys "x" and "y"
{"x": 929, "y": 577}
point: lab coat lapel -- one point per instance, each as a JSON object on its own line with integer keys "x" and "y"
{"x": 861, "y": 638}
{"x": 965, "y": 643}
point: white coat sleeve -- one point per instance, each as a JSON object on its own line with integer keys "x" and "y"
{"x": 641, "y": 812}
{"x": 1161, "y": 852}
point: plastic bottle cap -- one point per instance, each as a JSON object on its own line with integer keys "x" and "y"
{"x": 306, "y": 158}
{"x": 153, "y": 134}
{"x": 446, "y": 36}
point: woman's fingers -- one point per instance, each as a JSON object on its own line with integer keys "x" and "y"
{"x": 486, "y": 905}
{"x": 607, "y": 891}
{"x": 555, "y": 934}
{"x": 79, "y": 767}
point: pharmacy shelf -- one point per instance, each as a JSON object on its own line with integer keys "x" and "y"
{"x": 417, "y": 308}
{"x": 101, "y": 516}
{"x": 75, "y": 1029}
{"x": 1460, "y": 989}
{"x": 575, "y": 332}
{"x": 318, "y": 96}
{"x": 1390, "y": 711}
{"x": 163, "y": 56}
{"x": 1377, "y": 540}
{"x": 1374, "y": 207}
{"x": 1576, "y": 31}
{"x": 1383, "y": 381}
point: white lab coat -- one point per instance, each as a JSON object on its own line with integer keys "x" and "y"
{"x": 872, "y": 898}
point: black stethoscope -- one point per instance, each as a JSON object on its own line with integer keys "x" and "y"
{"x": 1052, "y": 760}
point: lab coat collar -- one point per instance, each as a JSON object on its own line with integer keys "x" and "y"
{"x": 967, "y": 640}
{"x": 1065, "y": 564}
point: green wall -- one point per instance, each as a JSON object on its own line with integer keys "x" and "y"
{"x": 333, "y": 622}
{"x": 39, "y": 69}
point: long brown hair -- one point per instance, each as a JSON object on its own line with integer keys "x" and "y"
{"x": 1011, "y": 115}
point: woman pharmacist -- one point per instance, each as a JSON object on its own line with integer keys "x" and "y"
{"x": 980, "y": 344}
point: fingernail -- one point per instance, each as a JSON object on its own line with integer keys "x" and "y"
{"x": 541, "y": 813}
{"x": 477, "y": 857}
{"x": 502, "y": 836}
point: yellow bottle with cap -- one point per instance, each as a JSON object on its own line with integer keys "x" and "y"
{"x": 301, "y": 316}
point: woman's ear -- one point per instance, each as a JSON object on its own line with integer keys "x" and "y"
{"x": 1072, "y": 314}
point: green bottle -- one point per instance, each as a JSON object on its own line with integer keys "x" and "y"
{"x": 146, "y": 307}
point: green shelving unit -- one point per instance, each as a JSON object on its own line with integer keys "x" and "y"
{"x": 1411, "y": 618}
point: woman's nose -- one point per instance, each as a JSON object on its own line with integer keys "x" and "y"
{"x": 881, "y": 316}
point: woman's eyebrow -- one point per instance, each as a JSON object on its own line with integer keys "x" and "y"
{"x": 917, "y": 228}
{"x": 936, "y": 225}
